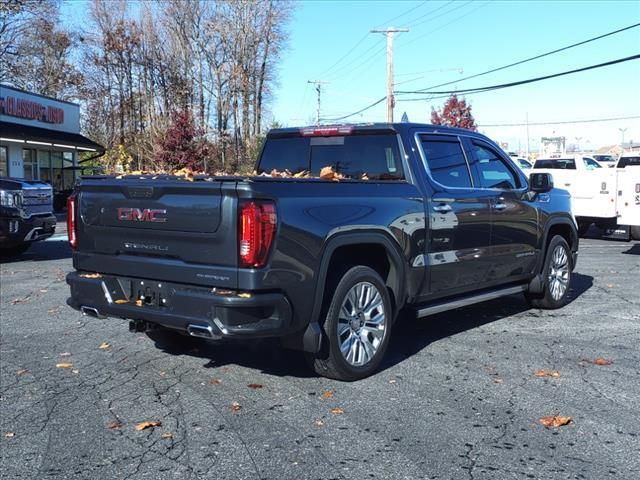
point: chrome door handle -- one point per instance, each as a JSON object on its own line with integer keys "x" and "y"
{"x": 500, "y": 206}
{"x": 442, "y": 208}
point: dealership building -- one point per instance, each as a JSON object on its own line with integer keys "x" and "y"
{"x": 40, "y": 138}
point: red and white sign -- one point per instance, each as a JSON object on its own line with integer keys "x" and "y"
{"x": 18, "y": 107}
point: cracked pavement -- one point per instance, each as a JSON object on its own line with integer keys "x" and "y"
{"x": 456, "y": 397}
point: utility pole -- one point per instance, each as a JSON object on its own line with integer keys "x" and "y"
{"x": 318, "y": 84}
{"x": 390, "y": 99}
{"x": 622, "y": 130}
{"x": 527, "y": 121}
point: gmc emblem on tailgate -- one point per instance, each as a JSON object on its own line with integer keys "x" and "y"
{"x": 142, "y": 215}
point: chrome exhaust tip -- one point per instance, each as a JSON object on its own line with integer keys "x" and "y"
{"x": 202, "y": 331}
{"x": 90, "y": 312}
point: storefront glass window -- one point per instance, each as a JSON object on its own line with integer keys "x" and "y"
{"x": 68, "y": 176}
{"x": 4, "y": 162}
{"x": 30, "y": 164}
{"x": 44, "y": 164}
{"x": 56, "y": 169}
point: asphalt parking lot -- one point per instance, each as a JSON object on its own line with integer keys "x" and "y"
{"x": 457, "y": 397}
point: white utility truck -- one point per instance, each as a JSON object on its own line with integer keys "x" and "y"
{"x": 608, "y": 197}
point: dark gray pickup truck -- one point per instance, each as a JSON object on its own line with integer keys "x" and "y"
{"x": 26, "y": 214}
{"x": 422, "y": 219}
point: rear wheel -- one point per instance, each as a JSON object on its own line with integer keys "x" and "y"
{"x": 557, "y": 273}
{"x": 357, "y": 326}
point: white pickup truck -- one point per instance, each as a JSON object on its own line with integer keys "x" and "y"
{"x": 608, "y": 197}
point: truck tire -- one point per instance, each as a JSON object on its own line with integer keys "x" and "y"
{"x": 357, "y": 327}
{"x": 557, "y": 272}
{"x": 583, "y": 228}
{"x": 635, "y": 232}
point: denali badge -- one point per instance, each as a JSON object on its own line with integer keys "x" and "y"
{"x": 141, "y": 215}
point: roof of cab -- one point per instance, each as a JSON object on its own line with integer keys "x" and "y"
{"x": 371, "y": 127}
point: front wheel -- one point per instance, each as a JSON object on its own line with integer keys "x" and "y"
{"x": 557, "y": 273}
{"x": 357, "y": 326}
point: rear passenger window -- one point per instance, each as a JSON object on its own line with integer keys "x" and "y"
{"x": 446, "y": 162}
{"x": 493, "y": 171}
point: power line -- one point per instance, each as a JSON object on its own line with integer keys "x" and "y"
{"x": 535, "y": 57}
{"x": 377, "y": 102}
{"x": 430, "y": 19}
{"x": 366, "y": 35}
{"x": 457, "y": 19}
{"x": 591, "y": 120}
{"x": 522, "y": 82}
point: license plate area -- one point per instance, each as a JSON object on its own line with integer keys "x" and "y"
{"x": 149, "y": 294}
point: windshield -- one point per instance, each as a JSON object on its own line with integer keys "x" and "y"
{"x": 557, "y": 163}
{"x": 629, "y": 162}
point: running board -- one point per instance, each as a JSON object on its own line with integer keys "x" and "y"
{"x": 463, "y": 302}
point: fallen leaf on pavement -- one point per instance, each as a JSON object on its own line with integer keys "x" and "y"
{"x": 254, "y": 386}
{"x": 215, "y": 381}
{"x": 166, "y": 435}
{"x": 236, "y": 407}
{"x": 601, "y": 361}
{"x": 337, "y": 411}
{"x": 91, "y": 275}
{"x": 546, "y": 373}
{"x": 16, "y": 300}
{"x": 65, "y": 354}
{"x": 114, "y": 425}
{"x": 53, "y": 310}
{"x": 21, "y": 371}
{"x": 9, "y": 434}
{"x": 327, "y": 394}
{"x": 148, "y": 424}
{"x": 43, "y": 290}
{"x": 393, "y": 380}
{"x": 555, "y": 421}
{"x": 75, "y": 370}
{"x": 497, "y": 380}
{"x": 319, "y": 423}
{"x": 104, "y": 346}
{"x": 64, "y": 365}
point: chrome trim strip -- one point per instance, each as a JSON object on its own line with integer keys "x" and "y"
{"x": 463, "y": 302}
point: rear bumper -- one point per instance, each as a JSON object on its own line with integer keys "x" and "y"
{"x": 16, "y": 230}
{"x": 225, "y": 314}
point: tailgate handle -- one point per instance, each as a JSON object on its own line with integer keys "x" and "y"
{"x": 140, "y": 192}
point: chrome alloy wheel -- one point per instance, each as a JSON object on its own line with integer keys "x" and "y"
{"x": 362, "y": 324}
{"x": 558, "y": 273}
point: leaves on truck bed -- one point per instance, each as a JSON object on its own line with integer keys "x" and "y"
{"x": 90, "y": 275}
{"x": 120, "y": 301}
{"x": 555, "y": 421}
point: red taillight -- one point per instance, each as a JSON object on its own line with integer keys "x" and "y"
{"x": 325, "y": 131}
{"x": 257, "y": 228}
{"x": 71, "y": 221}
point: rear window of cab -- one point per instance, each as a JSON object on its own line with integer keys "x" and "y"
{"x": 377, "y": 156}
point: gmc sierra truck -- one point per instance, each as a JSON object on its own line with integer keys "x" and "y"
{"x": 26, "y": 214}
{"x": 411, "y": 220}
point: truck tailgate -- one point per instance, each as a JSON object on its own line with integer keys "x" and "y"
{"x": 156, "y": 223}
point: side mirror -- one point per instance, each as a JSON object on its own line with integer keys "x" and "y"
{"x": 540, "y": 182}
